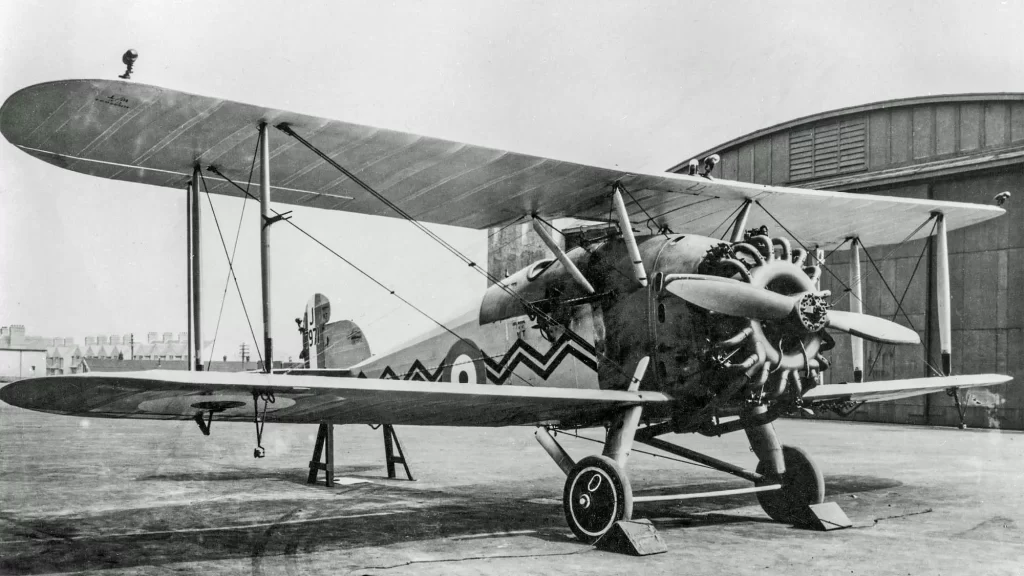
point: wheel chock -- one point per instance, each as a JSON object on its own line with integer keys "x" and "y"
{"x": 634, "y": 537}
{"x": 828, "y": 516}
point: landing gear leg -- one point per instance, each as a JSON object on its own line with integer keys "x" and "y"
{"x": 597, "y": 493}
{"x": 802, "y": 481}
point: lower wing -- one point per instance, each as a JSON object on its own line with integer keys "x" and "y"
{"x": 175, "y": 395}
{"x": 896, "y": 389}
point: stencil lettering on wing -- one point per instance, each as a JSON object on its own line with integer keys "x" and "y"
{"x": 500, "y": 369}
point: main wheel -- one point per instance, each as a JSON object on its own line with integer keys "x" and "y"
{"x": 802, "y": 485}
{"x": 596, "y": 496}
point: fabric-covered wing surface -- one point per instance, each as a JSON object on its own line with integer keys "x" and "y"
{"x": 896, "y": 389}
{"x": 175, "y": 395}
{"x": 151, "y": 135}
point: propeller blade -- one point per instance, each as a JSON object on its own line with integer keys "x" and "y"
{"x": 730, "y": 297}
{"x": 871, "y": 328}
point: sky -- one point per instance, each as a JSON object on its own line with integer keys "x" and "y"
{"x": 638, "y": 85}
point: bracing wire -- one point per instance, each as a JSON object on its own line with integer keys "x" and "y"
{"x": 231, "y": 268}
{"x": 650, "y": 219}
{"x": 899, "y": 302}
{"x": 899, "y": 305}
{"x": 824, "y": 267}
{"x": 234, "y": 249}
{"x": 398, "y": 210}
{"x": 680, "y": 460}
{"x": 352, "y": 265}
{"x": 895, "y": 248}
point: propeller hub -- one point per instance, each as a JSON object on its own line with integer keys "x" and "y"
{"x": 812, "y": 311}
{"x": 789, "y": 340}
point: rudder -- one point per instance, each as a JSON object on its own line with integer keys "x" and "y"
{"x": 329, "y": 344}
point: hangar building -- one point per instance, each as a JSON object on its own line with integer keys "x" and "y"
{"x": 966, "y": 147}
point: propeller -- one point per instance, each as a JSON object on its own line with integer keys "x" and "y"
{"x": 871, "y": 328}
{"x": 736, "y": 298}
{"x": 730, "y": 297}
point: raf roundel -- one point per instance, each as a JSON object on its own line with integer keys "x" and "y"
{"x": 464, "y": 364}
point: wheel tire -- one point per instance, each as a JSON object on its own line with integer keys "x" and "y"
{"x": 596, "y": 496}
{"x": 802, "y": 485}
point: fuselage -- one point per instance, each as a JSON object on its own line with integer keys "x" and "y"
{"x": 540, "y": 327}
{"x": 578, "y": 342}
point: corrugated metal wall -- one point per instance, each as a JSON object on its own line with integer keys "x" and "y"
{"x": 875, "y": 140}
{"x": 987, "y": 279}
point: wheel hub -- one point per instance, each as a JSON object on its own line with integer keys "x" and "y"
{"x": 596, "y": 495}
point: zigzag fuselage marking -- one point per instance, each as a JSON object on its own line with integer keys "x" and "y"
{"x": 542, "y": 365}
{"x": 498, "y": 372}
{"x": 416, "y": 372}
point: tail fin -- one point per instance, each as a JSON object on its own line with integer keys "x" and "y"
{"x": 330, "y": 344}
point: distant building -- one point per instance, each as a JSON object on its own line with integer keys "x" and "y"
{"x": 107, "y": 365}
{"x": 63, "y": 360}
{"x": 21, "y": 356}
{"x": 21, "y": 352}
{"x": 155, "y": 347}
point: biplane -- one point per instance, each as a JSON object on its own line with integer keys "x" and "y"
{"x": 653, "y": 328}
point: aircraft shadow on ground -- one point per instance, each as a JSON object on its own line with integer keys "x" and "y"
{"x": 708, "y": 512}
{"x": 283, "y": 474}
{"x": 370, "y": 515}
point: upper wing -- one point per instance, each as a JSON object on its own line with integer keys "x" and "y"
{"x": 139, "y": 133}
{"x": 176, "y": 395}
{"x": 896, "y": 389}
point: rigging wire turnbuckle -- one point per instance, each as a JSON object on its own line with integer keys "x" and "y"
{"x": 259, "y": 418}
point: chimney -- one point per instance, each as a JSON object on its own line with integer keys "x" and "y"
{"x": 17, "y": 335}
{"x": 183, "y": 337}
{"x": 152, "y": 338}
{"x": 90, "y": 340}
{"x": 102, "y": 340}
{"x": 69, "y": 341}
{"x": 115, "y": 339}
{"x": 168, "y": 336}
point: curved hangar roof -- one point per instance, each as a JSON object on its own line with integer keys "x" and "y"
{"x": 878, "y": 144}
